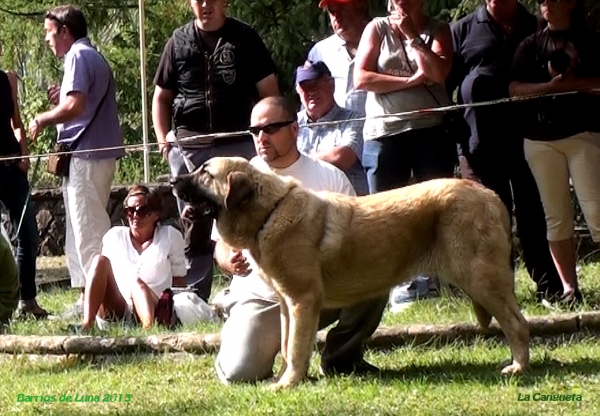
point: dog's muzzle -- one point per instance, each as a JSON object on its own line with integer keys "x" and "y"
{"x": 200, "y": 205}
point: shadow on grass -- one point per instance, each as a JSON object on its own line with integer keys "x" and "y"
{"x": 76, "y": 362}
{"x": 486, "y": 374}
{"x": 443, "y": 372}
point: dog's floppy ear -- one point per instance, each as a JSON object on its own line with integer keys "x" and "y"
{"x": 241, "y": 189}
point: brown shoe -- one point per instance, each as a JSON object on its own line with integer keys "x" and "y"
{"x": 31, "y": 310}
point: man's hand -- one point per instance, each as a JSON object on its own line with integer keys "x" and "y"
{"x": 237, "y": 264}
{"x": 164, "y": 149}
{"x": 34, "y": 129}
{"x": 54, "y": 94}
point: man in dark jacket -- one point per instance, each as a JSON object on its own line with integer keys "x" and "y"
{"x": 211, "y": 73}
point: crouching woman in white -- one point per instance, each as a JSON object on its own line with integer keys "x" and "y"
{"x": 137, "y": 264}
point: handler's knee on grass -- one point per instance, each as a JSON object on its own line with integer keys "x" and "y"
{"x": 250, "y": 340}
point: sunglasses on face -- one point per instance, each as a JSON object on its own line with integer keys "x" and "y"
{"x": 142, "y": 211}
{"x": 269, "y": 128}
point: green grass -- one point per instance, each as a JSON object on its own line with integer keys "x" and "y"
{"x": 453, "y": 379}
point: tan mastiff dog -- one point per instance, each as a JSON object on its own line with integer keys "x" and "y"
{"x": 327, "y": 250}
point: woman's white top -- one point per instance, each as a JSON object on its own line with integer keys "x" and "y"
{"x": 156, "y": 265}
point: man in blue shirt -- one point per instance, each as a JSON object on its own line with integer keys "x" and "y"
{"x": 485, "y": 42}
{"x": 85, "y": 112}
{"x": 340, "y": 144}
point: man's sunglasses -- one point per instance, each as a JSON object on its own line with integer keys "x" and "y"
{"x": 269, "y": 128}
{"x": 142, "y": 211}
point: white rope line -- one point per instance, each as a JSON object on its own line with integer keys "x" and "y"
{"x": 403, "y": 115}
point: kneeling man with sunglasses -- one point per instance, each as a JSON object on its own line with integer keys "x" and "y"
{"x": 138, "y": 263}
{"x": 251, "y": 336}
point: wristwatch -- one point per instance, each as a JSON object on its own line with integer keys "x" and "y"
{"x": 418, "y": 43}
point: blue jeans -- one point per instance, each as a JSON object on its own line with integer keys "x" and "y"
{"x": 389, "y": 161}
{"x": 14, "y": 188}
{"x": 199, "y": 246}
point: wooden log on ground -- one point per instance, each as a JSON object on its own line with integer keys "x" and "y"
{"x": 59, "y": 345}
{"x": 383, "y": 338}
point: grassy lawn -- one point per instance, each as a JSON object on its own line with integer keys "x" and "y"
{"x": 455, "y": 379}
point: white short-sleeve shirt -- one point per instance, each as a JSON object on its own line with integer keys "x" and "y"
{"x": 314, "y": 174}
{"x": 156, "y": 265}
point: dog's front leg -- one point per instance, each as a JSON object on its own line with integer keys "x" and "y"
{"x": 303, "y": 315}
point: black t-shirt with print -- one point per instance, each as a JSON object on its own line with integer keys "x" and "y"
{"x": 554, "y": 118}
{"x": 238, "y": 59}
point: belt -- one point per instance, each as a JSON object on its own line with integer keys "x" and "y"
{"x": 231, "y": 140}
{"x": 217, "y": 141}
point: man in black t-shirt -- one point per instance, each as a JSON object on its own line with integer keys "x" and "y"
{"x": 211, "y": 73}
{"x": 484, "y": 46}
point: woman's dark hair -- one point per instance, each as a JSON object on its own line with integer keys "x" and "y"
{"x": 578, "y": 17}
{"x": 71, "y": 17}
{"x": 152, "y": 198}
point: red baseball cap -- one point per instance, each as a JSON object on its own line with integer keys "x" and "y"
{"x": 325, "y": 3}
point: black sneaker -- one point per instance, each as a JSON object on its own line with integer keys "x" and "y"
{"x": 359, "y": 368}
{"x": 31, "y": 309}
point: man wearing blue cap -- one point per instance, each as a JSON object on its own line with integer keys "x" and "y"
{"x": 340, "y": 144}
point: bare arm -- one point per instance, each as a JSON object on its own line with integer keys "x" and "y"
{"x": 162, "y": 100}
{"x": 559, "y": 83}
{"x": 342, "y": 157}
{"x": 71, "y": 107}
{"x": 366, "y": 76}
{"x": 268, "y": 86}
{"x": 16, "y": 122}
{"x": 436, "y": 62}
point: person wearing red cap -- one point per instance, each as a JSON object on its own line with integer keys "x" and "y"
{"x": 348, "y": 18}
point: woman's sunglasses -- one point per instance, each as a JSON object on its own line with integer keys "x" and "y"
{"x": 142, "y": 211}
{"x": 269, "y": 128}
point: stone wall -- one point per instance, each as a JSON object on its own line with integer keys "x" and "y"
{"x": 50, "y": 214}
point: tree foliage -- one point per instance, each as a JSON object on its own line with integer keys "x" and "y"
{"x": 288, "y": 27}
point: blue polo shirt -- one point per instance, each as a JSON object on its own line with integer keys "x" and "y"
{"x": 481, "y": 71}
{"x": 87, "y": 72}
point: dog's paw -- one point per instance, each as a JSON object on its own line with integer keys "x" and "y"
{"x": 275, "y": 387}
{"x": 284, "y": 383}
{"x": 514, "y": 368}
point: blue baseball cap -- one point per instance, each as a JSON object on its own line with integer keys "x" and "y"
{"x": 311, "y": 71}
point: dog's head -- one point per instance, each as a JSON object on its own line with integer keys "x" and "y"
{"x": 219, "y": 184}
